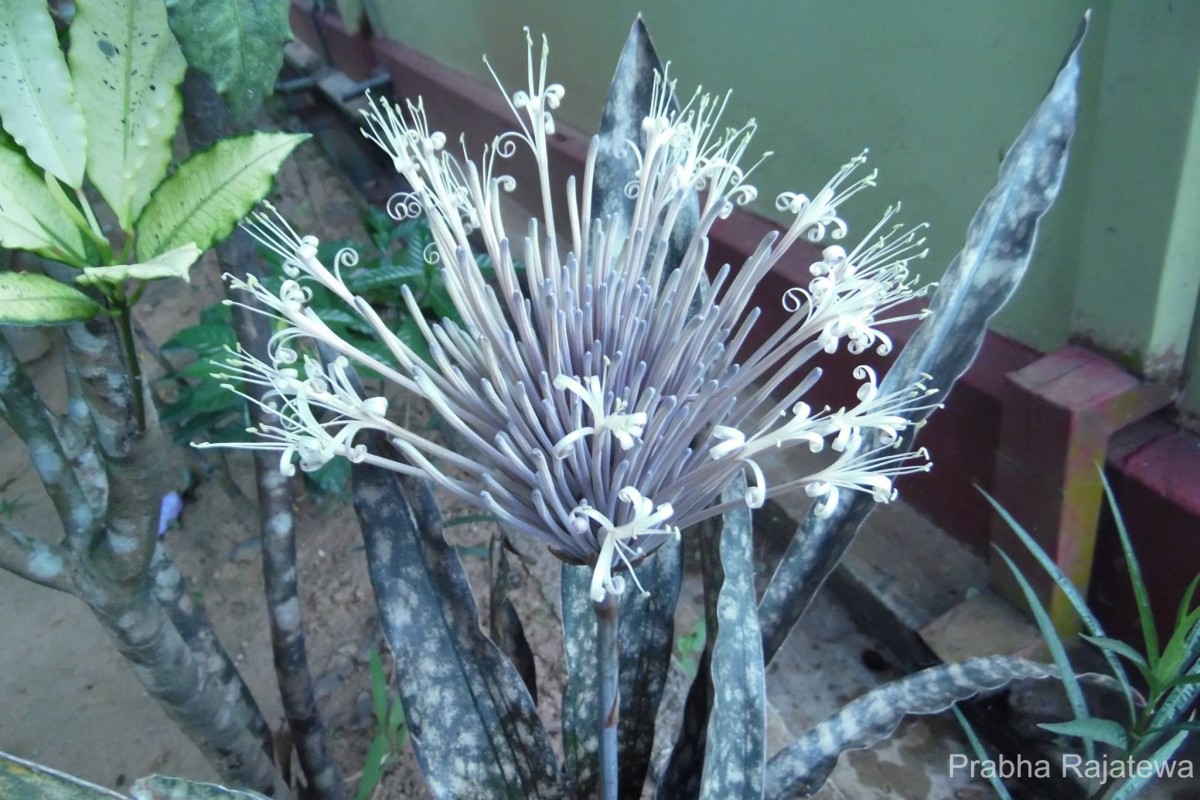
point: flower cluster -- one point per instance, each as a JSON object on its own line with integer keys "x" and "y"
{"x": 604, "y": 391}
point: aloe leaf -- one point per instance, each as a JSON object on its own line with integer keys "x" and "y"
{"x": 238, "y": 44}
{"x": 1135, "y": 784}
{"x": 736, "y": 740}
{"x": 30, "y": 218}
{"x": 980, "y": 279}
{"x": 1072, "y": 594}
{"x": 645, "y": 632}
{"x": 800, "y": 769}
{"x": 37, "y": 100}
{"x": 25, "y": 780}
{"x": 1054, "y": 644}
{"x": 30, "y": 299}
{"x": 158, "y": 787}
{"x": 203, "y": 200}
{"x": 173, "y": 264}
{"x": 127, "y": 69}
{"x": 981, "y": 753}
{"x": 1092, "y": 729}
{"x": 473, "y": 724}
{"x": 1141, "y": 596}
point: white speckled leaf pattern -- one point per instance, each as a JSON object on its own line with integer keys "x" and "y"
{"x": 646, "y": 635}
{"x": 735, "y": 754}
{"x": 473, "y": 724}
{"x": 800, "y": 769}
{"x": 979, "y": 281}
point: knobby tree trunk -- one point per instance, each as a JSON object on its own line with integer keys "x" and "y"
{"x": 104, "y": 478}
{"x": 206, "y": 120}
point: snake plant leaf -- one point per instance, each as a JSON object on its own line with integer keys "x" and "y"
{"x": 204, "y": 199}
{"x": 173, "y": 264}
{"x": 127, "y": 69}
{"x": 980, "y": 279}
{"x": 30, "y": 299}
{"x": 238, "y": 44}
{"x": 802, "y": 768}
{"x": 708, "y": 760}
{"x": 646, "y": 624}
{"x": 645, "y": 633}
{"x": 30, "y": 219}
{"x": 158, "y": 787}
{"x": 24, "y": 780}
{"x": 627, "y": 104}
{"x": 737, "y": 724}
{"x": 473, "y": 724}
{"x": 37, "y": 100}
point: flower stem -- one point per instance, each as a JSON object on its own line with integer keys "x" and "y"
{"x": 608, "y": 708}
{"x": 136, "y": 379}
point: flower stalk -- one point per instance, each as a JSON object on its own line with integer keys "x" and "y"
{"x": 608, "y": 700}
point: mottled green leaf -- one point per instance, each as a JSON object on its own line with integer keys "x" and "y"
{"x": 238, "y": 44}
{"x": 30, "y": 299}
{"x": 30, "y": 219}
{"x": 473, "y": 724}
{"x": 127, "y": 69}
{"x": 157, "y": 787}
{"x": 173, "y": 264}
{"x": 37, "y": 100}
{"x": 736, "y": 741}
{"x": 645, "y": 632}
{"x": 211, "y": 191}
{"x": 800, "y": 769}
{"x": 24, "y": 780}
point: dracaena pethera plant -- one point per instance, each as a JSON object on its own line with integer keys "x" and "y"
{"x": 605, "y": 392}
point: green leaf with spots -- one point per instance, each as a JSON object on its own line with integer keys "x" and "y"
{"x": 30, "y": 219}
{"x": 127, "y": 69}
{"x": 211, "y": 191}
{"x": 30, "y": 299}
{"x": 37, "y": 99}
{"x": 174, "y": 264}
{"x": 238, "y": 44}
{"x": 158, "y": 787}
{"x": 25, "y": 780}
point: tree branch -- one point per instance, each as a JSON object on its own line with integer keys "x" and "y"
{"x": 36, "y": 560}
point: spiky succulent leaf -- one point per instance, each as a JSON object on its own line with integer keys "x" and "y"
{"x": 976, "y": 285}
{"x": 37, "y": 99}
{"x": 645, "y": 632}
{"x": 127, "y": 69}
{"x": 800, "y": 769}
{"x": 158, "y": 787}
{"x": 473, "y": 724}
{"x": 204, "y": 199}
{"x": 238, "y": 44}
{"x": 736, "y": 737}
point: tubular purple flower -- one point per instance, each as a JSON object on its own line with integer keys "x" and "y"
{"x": 602, "y": 410}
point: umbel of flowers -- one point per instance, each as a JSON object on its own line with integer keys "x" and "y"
{"x": 605, "y": 392}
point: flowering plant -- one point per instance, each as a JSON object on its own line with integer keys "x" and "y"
{"x": 609, "y": 401}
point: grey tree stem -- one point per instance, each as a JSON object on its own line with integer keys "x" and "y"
{"x": 206, "y": 120}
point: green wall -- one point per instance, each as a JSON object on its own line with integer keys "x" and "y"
{"x": 937, "y": 90}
